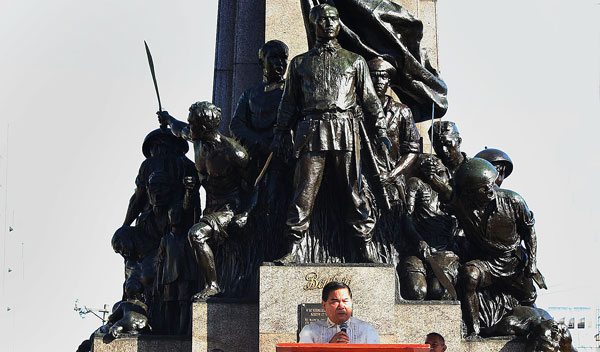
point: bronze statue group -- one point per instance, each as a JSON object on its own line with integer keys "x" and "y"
{"x": 322, "y": 165}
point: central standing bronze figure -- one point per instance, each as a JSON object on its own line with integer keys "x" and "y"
{"x": 327, "y": 89}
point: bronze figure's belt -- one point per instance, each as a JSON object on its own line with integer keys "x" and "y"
{"x": 327, "y": 116}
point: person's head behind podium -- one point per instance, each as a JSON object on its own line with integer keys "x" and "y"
{"x": 436, "y": 341}
{"x": 337, "y": 302}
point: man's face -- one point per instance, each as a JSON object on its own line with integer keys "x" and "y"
{"x": 381, "y": 82}
{"x": 198, "y": 129}
{"x": 338, "y": 306}
{"x": 436, "y": 344}
{"x": 482, "y": 193}
{"x": 159, "y": 193}
{"x": 546, "y": 337}
{"x": 124, "y": 248}
{"x": 501, "y": 168}
{"x": 328, "y": 24}
{"x": 274, "y": 64}
{"x": 447, "y": 147}
{"x": 160, "y": 147}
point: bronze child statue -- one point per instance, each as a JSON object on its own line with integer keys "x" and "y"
{"x": 430, "y": 237}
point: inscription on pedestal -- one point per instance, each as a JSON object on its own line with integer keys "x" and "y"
{"x": 316, "y": 282}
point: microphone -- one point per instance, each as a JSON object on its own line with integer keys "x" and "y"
{"x": 344, "y": 326}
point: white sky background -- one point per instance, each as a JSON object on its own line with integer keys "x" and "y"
{"x": 77, "y": 100}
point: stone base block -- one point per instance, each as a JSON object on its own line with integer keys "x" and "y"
{"x": 226, "y": 326}
{"x": 387, "y": 338}
{"x": 415, "y": 319}
{"x": 268, "y": 341}
{"x": 496, "y": 344}
{"x": 143, "y": 344}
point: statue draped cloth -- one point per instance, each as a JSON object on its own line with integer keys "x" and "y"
{"x": 383, "y": 28}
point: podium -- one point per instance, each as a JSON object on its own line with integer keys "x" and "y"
{"x": 335, "y": 347}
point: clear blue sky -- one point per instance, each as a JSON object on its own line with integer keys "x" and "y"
{"x": 77, "y": 101}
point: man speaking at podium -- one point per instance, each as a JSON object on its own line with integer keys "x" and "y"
{"x": 340, "y": 326}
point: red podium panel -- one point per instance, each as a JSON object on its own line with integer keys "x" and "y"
{"x": 342, "y": 347}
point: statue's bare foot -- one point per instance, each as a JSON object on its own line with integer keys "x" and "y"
{"x": 473, "y": 337}
{"x": 293, "y": 257}
{"x": 287, "y": 259}
{"x": 203, "y": 295}
{"x": 116, "y": 331}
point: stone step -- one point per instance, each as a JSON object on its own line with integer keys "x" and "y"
{"x": 143, "y": 343}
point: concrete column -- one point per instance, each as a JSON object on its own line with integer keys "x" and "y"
{"x": 223, "y": 75}
{"x": 284, "y": 22}
{"x": 240, "y": 33}
{"x": 426, "y": 11}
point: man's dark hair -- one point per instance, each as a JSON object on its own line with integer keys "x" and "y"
{"x": 274, "y": 46}
{"x": 444, "y": 128}
{"x": 333, "y": 286}
{"x": 206, "y": 113}
{"x": 317, "y": 11}
{"x": 124, "y": 237}
{"x": 435, "y": 334}
{"x": 379, "y": 65}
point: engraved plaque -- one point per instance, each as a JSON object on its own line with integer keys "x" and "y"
{"x": 309, "y": 312}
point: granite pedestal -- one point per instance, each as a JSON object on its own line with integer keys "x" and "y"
{"x": 226, "y": 326}
{"x": 234, "y": 326}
